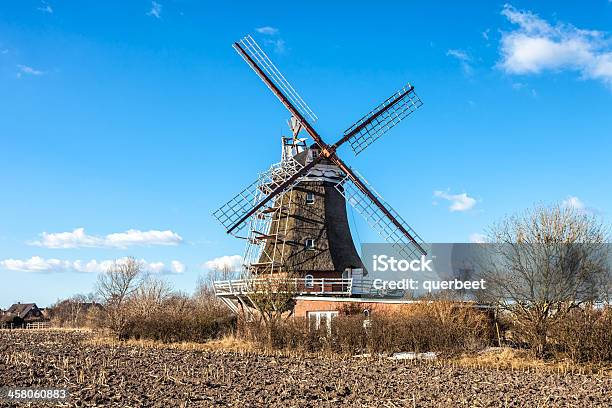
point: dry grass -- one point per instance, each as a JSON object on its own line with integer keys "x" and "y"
{"x": 506, "y": 358}
{"x": 227, "y": 343}
{"x": 54, "y": 329}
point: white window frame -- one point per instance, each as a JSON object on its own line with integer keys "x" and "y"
{"x": 309, "y": 281}
{"x": 318, "y": 314}
{"x": 309, "y": 247}
{"x": 310, "y": 198}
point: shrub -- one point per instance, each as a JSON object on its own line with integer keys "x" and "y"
{"x": 442, "y": 326}
{"x": 585, "y": 335}
{"x": 179, "y": 318}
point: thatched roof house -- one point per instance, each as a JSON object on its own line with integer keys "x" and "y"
{"x": 29, "y": 312}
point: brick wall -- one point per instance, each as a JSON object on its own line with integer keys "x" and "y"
{"x": 303, "y": 306}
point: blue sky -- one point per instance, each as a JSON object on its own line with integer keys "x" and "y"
{"x": 124, "y": 124}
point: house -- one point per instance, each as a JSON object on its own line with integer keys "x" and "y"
{"x": 28, "y": 312}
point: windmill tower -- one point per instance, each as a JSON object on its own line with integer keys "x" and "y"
{"x": 294, "y": 214}
{"x": 307, "y": 233}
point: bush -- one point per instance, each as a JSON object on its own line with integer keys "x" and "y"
{"x": 150, "y": 309}
{"x": 77, "y": 311}
{"x": 585, "y": 335}
{"x": 445, "y": 327}
{"x": 179, "y": 318}
{"x": 441, "y": 326}
{"x": 349, "y": 334}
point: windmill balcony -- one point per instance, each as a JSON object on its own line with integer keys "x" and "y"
{"x": 298, "y": 286}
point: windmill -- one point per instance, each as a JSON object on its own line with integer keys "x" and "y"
{"x": 270, "y": 205}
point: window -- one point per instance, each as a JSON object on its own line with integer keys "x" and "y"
{"x": 309, "y": 244}
{"x": 310, "y": 198}
{"x": 319, "y": 318}
{"x": 309, "y": 281}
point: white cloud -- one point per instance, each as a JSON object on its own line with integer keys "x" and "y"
{"x": 573, "y": 202}
{"x": 278, "y": 44}
{"x": 41, "y": 265}
{"x": 536, "y": 46}
{"x": 156, "y": 10}
{"x": 34, "y": 264}
{"x": 142, "y": 238}
{"x": 267, "y": 30}
{"x": 464, "y": 60}
{"x": 178, "y": 267}
{"x": 26, "y": 70}
{"x": 478, "y": 238}
{"x": 45, "y": 8}
{"x": 156, "y": 267}
{"x": 78, "y": 238}
{"x": 232, "y": 262}
{"x": 459, "y": 202}
{"x": 579, "y": 205}
{"x": 459, "y": 54}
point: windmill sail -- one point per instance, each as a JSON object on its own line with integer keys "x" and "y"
{"x": 256, "y": 56}
{"x": 258, "y": 194}
{"x": 381, "y": 119}
{"x": 404, "y": 239}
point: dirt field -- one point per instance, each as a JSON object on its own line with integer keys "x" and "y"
{"x": 123, "y": 376}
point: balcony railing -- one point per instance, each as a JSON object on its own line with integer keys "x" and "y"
{"x": 298, "y": 286}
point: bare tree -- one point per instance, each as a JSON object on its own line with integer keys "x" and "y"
{"x": 204, "y": 295}
{"x": 224, "y": 272}
{"x": 115, "y": 288}
{"x": 273, "y": 299}
{"x": 150, "y": 295}
{"x": 72, "y": 312}
{"x": 542, "y": 264}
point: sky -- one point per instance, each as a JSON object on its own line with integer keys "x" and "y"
{"x": 123, "y": 125}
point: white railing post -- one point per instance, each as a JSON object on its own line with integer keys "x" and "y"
{"x": 337, "y": 286}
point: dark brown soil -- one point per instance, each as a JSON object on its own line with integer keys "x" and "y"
{"x": 129, "y": 376}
